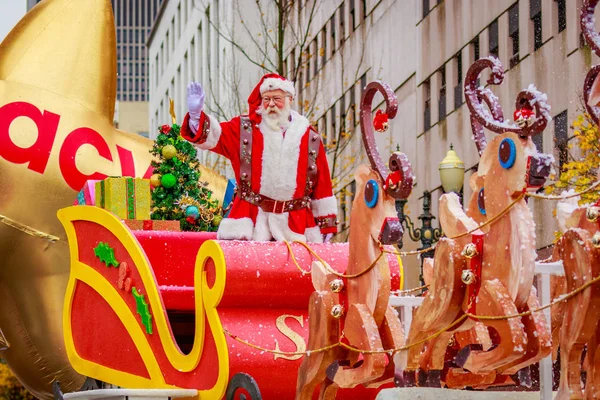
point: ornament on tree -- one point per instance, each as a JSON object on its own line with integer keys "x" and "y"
{"x": 380, "y": 121}
{"x": 155, "y": 180}
{"x": 169, "y": 151}
{"x": 217, "y": 220}
{"x": 192, "y": 211}
{"x": 179, "y": 195}
{"x": 168, "y": 180}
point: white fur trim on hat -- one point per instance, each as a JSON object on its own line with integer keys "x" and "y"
{"x": 276, "y": 83}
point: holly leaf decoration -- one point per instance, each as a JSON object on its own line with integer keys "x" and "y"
{"x": 142, "y": 309}
{"x": 106, "y": 254}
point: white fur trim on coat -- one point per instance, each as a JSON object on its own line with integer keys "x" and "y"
{"x": 324, "y": 206}
{"x": 280, "y": 158}
{"x": 313, "y": 235}
{"x": 261, "y": 229}
{"x": 276, "y": 226}
{"x": 232, "y": 228}
{"x": 276, "y": 83}
{"x": 214, "y": 134}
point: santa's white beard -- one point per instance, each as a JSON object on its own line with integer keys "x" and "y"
{"x": 276, "y": 118}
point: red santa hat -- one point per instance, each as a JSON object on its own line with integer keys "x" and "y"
{"x": 268, "y": 82}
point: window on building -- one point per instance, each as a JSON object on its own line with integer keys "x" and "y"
{"x": 535, "y": 14}
{"x": 538, "y": 140}
{"x": 561, "y": 137}
{"x": 513, "y": 32}
{"x": 343, "y": 113}
{"x": 324, "y": 129}
{"x": 178, "y": 20}
{"x": 315, "y": 57}
{"x": 185, "y": 10}
{"x": 342, "y": 23}
{"x": 493, "y": 38}
{"x": 458, "y": 90}
{"x": 307, "y": 64}
{"x": 156, "y": 69}
{"x": 561, "y": 11}
{"x": 426, "y": 105}
{"x": 475, "y": 44}
{"x": 363, "y": 84}
{"x": 333, "y": 124}
{"x": 353, "y": 107}
{"x": 352, "y": 8}
{"x": 324, "y": 46}
{"x": 332, "y": 33}
{"x": 300, "y": 82}
{"x": 293, "y": 63}
{"x": 167, "y": 42}
{"x": 442, "y": 98}
{"x": 425, "y": 8}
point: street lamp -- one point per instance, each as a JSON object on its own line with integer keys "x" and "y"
{"x": 452, "y": 172}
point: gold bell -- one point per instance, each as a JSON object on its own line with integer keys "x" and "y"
{"x": 337, "y": 311}
{"x": 336, "y": 285}
{"x": 468, "y": 276}
{"x": 592, "y": 214}
{"x": 470, "y": 251}
{"x": 596, "y": 240}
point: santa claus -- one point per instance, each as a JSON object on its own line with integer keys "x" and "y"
{"x": 284, "y": 188}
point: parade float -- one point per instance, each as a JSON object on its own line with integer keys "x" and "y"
{"x": 95, "y": 304}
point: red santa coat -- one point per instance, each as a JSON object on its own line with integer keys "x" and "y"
{"x": 279, "y": 171}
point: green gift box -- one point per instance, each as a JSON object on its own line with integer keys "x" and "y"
{"x": 128, "y": 198}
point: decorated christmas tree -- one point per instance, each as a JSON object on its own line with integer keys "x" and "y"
{"x": 178, "y": 193}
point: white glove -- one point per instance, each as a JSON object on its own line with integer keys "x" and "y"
{"x": 195, "y": 99}
{"x": 327, "y": 237}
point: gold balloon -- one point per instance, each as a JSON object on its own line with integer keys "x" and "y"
{"x": 57, "y": 97}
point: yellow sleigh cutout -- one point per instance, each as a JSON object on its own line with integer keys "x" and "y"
{"x": 206, "y": 300}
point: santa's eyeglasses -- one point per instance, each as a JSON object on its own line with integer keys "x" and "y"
{"x": 277, "y": 99}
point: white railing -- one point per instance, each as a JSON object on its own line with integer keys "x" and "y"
{"x": 407, "y": 304}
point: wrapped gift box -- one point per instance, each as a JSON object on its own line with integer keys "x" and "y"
{"x": 128, "y": 198}
{"x": 87, "y": 195}
{"x": 152, "y": 225}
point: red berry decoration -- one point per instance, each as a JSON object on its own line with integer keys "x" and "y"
{"x": 380, "y": 122}
{"x": 524, "y": 116}
{"x": 191, "y": 220}
{"x": 393, "y": 180}
{"x": 165, "y": 129}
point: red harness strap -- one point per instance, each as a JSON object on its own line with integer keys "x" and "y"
{"x": 476, "y": 263}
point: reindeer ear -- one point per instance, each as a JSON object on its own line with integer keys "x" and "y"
{"x": 475, "y": 181}
{"x": 362, "y": 174}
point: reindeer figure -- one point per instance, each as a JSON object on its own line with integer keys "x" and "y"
{"x": 355, "y": 308}
{"x": 579, "y": 250}
{"x": 487, "y": 271}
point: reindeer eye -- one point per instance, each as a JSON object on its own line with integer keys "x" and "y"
{"x": 481, "y": 202}
{"x": 371, "y": 193}
{"x": 507, "y": 153}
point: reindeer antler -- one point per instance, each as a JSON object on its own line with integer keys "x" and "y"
{"x": 592, "y": 38}
{"x": 492, "y": 117}
{"x": 398, "y": 163}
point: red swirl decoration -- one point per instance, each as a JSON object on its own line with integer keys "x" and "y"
{"x": 400, "y": 170}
